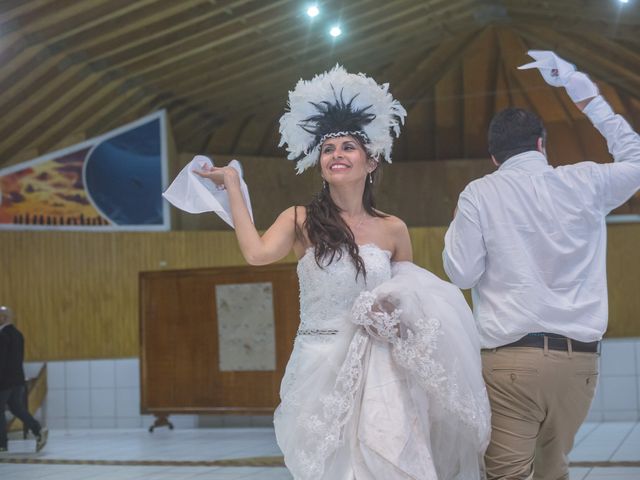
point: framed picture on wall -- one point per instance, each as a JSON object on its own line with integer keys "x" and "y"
{"x": 111, "y": 182}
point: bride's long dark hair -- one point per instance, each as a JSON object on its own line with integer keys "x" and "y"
{"x": 328, "y": 233}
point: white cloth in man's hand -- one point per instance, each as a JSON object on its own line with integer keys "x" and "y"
{"x": 560, "y": 73}
{"x": 194, "y": 194}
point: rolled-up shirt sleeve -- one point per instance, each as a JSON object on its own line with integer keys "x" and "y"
{"x": 621, "y": 179}
{"x": 464, "y": 249}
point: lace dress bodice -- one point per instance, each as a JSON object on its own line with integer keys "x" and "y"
{"x": 327, "y": 294}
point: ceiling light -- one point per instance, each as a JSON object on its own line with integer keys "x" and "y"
{"x": 313, "y": 11}
{"x": 624, "y": 1}
{"x": 335, "y": 31}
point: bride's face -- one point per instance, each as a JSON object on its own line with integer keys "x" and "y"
{"x": 344, "y": 160}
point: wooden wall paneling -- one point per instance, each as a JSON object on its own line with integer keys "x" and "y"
{"x": 595, "y": 146}
{"x": 570, "y": 108}
{"x": 417, "y": 133}
{"x": 512, "y": 56}
{"x": 427, "y": 249}
{"x": 530, "y": 82}
{"x": 502, "y": 96}
{"x": 623, "y": 277}
{"x": 563, "y": 147}
{"x": 601, "y": 46}
{"x": 634, "y": 115}
{"x": 478, "y": 76}
{"x": 419, "y": 129}
{"x": 440, "y": 58}
{"x": 449, "y": 122}
{"x": 409, "y": 178}
{"x": 78, "y": 302}
{"x": 75, "y": 293}
{"x": 612, "y": 97}
{"x": 456, "y": 175}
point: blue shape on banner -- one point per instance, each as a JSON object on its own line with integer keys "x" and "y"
{"x": 124, "y": 176}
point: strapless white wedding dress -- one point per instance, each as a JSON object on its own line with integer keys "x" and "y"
{"x": 385, "y": 379}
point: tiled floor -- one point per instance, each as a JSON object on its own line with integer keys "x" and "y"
{"x": 596, "y": 443}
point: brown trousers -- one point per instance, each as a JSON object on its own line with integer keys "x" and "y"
{"x": 539, "y": 398}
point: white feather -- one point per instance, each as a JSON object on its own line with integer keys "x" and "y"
{"x": 389, "y": 114}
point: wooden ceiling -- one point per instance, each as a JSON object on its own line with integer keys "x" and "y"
{"x": 73, "y": 69}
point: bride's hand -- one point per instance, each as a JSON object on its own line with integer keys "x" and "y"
{"x": 221, "y": 176}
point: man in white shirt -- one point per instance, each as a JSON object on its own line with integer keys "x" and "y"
{"x": 530, "y": 240}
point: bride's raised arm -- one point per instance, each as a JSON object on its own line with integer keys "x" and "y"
{"x": 275, "y": 243}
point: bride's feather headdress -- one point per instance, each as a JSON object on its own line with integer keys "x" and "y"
{"x": 337, "y": 103}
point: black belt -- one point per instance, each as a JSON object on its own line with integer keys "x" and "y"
{"x": 554, "y": 342}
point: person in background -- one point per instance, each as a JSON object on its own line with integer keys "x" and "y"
{"x": 12, "y": 381}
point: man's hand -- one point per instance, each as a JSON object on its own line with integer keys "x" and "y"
{"x": 560, "y": 73}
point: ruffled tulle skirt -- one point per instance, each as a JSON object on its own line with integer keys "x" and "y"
{"x": 396, "y": 394}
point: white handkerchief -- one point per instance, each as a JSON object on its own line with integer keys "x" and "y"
{"x": 554, "y": 70}
{"x": 194, "y": 194}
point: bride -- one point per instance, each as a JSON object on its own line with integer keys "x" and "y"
{"x": 384, "y": 381}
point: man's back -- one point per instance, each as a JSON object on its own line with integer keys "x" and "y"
{"x": 544, "y": 234}
{"x": 531, "y": 240}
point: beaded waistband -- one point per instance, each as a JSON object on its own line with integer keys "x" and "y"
{"x": 315, "y": 331}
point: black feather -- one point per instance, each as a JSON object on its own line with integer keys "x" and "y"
{"x": 336, "y": 117}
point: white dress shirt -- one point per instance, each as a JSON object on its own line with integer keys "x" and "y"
{"x": 530, "y": 239}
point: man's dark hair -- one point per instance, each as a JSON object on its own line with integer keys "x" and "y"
{"x": 513, "y": 131}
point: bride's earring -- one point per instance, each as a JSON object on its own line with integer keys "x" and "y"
{"x": 370, "y": 178}
{"x": 325, "y": 185}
